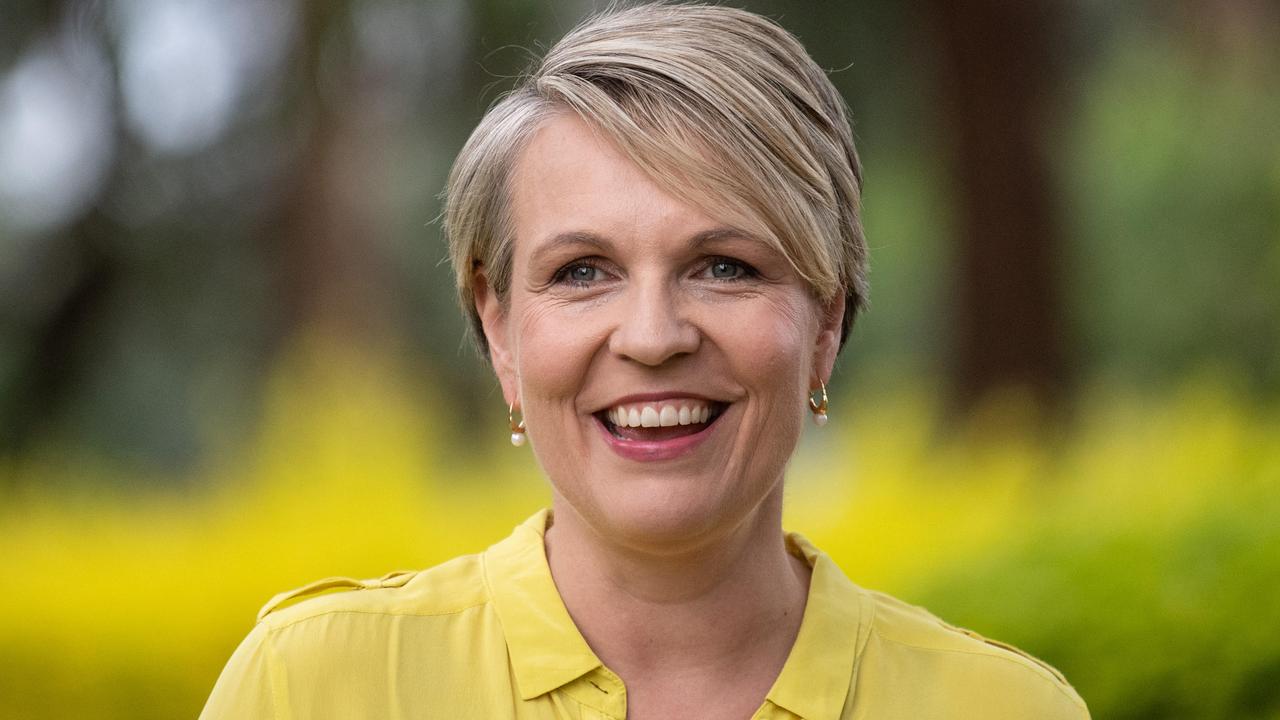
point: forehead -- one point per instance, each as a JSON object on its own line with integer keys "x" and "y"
{"x": 571, "y": 178}
{"x": 565, "y": 144}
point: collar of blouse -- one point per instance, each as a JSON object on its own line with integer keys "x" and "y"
{"x": 548, "y": 653}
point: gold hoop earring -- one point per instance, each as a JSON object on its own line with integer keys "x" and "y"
{"x": 819, "y": 407}
{"x": 518, "y": 435}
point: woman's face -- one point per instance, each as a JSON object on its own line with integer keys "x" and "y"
{"x": 630, "y": 307}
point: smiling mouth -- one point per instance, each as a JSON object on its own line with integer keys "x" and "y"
{"x": 643, "y": 423}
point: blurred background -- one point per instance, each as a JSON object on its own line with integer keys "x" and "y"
{"x": 231, "y": 363}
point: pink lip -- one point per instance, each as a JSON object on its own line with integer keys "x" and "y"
{"x": 651, "y": 451}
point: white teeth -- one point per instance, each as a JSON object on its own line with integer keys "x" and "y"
{"x": 663, "y": 414}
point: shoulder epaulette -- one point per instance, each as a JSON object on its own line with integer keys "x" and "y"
{"x": 1016, "y": 651}
{"x": 395, "y": 579}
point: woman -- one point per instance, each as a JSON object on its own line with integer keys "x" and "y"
{"x": 657, "y": 238}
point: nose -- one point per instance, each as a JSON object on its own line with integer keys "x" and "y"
{"x": 652, "y": 328}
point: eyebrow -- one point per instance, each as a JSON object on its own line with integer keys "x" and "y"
{"x": 589, "y": 239}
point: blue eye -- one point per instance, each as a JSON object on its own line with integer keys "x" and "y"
{"x": 726, "y": 269}
{"x": 579, "y": 273}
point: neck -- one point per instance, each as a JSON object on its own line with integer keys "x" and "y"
{"x": 725, "y": 602}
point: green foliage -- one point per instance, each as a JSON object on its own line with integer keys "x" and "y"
{"x": 1137, "y": 551}
{"x": 1172, "y": 198}
{"x": 1150, "y": 580}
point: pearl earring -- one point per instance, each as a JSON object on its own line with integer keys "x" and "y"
{"x": 517, "y": 428}
{"x": 819, "y": 407}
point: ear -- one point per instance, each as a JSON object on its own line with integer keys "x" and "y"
{"x": 827, "y": 344}
{"x": 493, "y": 318}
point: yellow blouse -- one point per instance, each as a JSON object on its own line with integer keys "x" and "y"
{"x": 487, "y": 636}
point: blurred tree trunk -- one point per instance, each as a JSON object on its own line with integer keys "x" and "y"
{"x": 995, "y": 78}
{"x": 331, "y": 273}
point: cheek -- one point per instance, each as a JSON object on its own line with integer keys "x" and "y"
{"x": 771, "y": 345}
{"x": 554, "y": 351}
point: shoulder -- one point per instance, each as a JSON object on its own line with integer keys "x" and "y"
{"x": 336, "y": 642}
{"x": 446, "y": 589}
{"x": 989, "y": 677}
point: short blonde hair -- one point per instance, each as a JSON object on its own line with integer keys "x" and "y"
{"x": 715, "y": 104}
